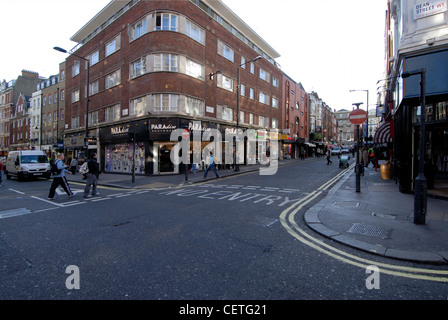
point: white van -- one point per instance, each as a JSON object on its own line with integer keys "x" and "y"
{"x": 27, "y": 164}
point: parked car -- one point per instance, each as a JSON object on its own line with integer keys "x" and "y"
{"x": 336, "y": 151}
{"x": 345, "y": 150}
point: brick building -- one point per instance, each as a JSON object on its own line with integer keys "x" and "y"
{"x": 20, "y": 126}
{"x": 10, "y": 92}
{"x": 53, "y": 111}
{"x": 294, "y": 125}
{"x": 155, "y": 66}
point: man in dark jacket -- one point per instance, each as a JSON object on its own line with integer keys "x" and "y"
{"x": 92, "y": 176}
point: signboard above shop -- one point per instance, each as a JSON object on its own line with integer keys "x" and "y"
{"x": 428, "y": 8}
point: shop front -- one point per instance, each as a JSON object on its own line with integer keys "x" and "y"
{"x": 406, "y": 124}
{"x": 125, "y": 145}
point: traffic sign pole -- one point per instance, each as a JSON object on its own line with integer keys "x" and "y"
{"x": 357, "y": 117}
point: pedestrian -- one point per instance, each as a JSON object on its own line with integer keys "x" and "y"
{"x": 59, "y": 178}
{"x": 1, "y": 170}
{"x": 211, "y": 165}
{"x": 73, "y": 165}
{"x": 194, "y": 167}
{"x": 329, "y": 157}
{"x": 365, "y": 156}
{"x": 92, "y": 176}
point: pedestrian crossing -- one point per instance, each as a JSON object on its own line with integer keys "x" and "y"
{"x": 249, "y": 187}
{"x": 267, "y": 195}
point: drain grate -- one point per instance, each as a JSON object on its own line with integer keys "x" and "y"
{"x": 373, "y": 231}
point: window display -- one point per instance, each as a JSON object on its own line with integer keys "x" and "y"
{"x": 119, "y": 158}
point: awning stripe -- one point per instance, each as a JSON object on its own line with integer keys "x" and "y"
{"x": 382, "y": 134}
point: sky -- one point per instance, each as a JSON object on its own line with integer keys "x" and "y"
{"x": 330, "y": 46}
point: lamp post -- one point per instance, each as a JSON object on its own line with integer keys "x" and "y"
{"x": 358, "y": 161}
{"x": 367, "y": 106}
{"x": 87, "y": 93}
{"x": 420, "y": 197}
{"x": 237, "y": 166}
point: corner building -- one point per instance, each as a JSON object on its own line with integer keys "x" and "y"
{"x": 157, "y": 66}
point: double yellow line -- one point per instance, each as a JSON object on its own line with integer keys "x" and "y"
{"x": 288, "y": 220}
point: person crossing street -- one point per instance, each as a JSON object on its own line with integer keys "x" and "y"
{"x": 92, "y": 176}
{"x": 59, "y": 178}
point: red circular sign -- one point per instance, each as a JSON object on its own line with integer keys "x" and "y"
{"x": 185, "y": 133}
{"x": 357, "y": 116}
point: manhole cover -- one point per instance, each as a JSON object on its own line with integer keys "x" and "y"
{"x": 373, "y": 231}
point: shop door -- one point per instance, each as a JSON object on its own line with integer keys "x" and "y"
{"x": 163, "y": 161}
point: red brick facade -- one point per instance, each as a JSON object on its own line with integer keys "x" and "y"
{"x": 154, "y": 42}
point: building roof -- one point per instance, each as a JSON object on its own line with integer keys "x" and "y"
{"x": 115, "y": 5}
{"x": 108, "y": 11}
{"x": 239, "y": 24}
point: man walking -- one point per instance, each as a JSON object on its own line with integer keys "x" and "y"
{"x": 328, "y": 157}
{"x": 92, "y": 175}
{"x": 59, "y": 178}
{"x": 211, "y": 165}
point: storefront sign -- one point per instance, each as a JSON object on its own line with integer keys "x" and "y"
{"x": 74, "y": 142}
{"x": 429, "y": 8}
{"x": 198, "y": 125}
{"x": 161, "y": 129}
{"x": 119, "y": 130}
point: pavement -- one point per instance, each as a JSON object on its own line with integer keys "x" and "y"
{"x": 378, "y": 219}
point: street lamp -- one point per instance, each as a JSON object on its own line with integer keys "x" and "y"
{"x": 87, "y": 100}
{"x": 367, "y": 131}
{"x": 358, "y": 161}
{"x": 420, "y": 197}
{"x": 237, "y": 166}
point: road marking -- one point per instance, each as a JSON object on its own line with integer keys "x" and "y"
{"x": 60, "y": 205}
{"x": 287, "y": 219}
{"x": 17, "y": 191}
{"x": 14, "y": 213}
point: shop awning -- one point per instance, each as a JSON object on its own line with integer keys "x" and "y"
{"x": 310, "y": 145}
{"x": 382, "y": 134}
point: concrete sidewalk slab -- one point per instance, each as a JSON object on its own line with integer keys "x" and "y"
{"x": 379, "y": 220}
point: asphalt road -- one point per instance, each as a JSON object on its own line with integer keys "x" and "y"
{"x": 219, "y": 240}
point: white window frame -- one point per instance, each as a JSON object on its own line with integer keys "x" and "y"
{"x": 94, "y": 58}
{"x": 275, "y": 103}
{"x": 139, "y": 29}
{"x": 166, "y": 62}
{"x": 112, "y": 46}
{"x": 226, "y": 51}
{"x": 194, "y": 106}
{"x": 264, "y": 75}
{"x": 75, "y": 95}
{"x": 137, "y": 68}
{"x": 225, "y": 82}
{"x": 75, "y": 122}
{"x": 76, "y": 68}
{"x": 93, "y": 117}
{"x": 225, "y": 113}
{"x": 94, "y": 87}
{"x": 165, "y": 102}
{"x": 137, "y": 106}
{"x": 112, "y": 113}
{"x": 167, "y": 17}
{"x": 113, "y": 79}
{"x": 194, "y": 69}
{"x": 195, "y": 32}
